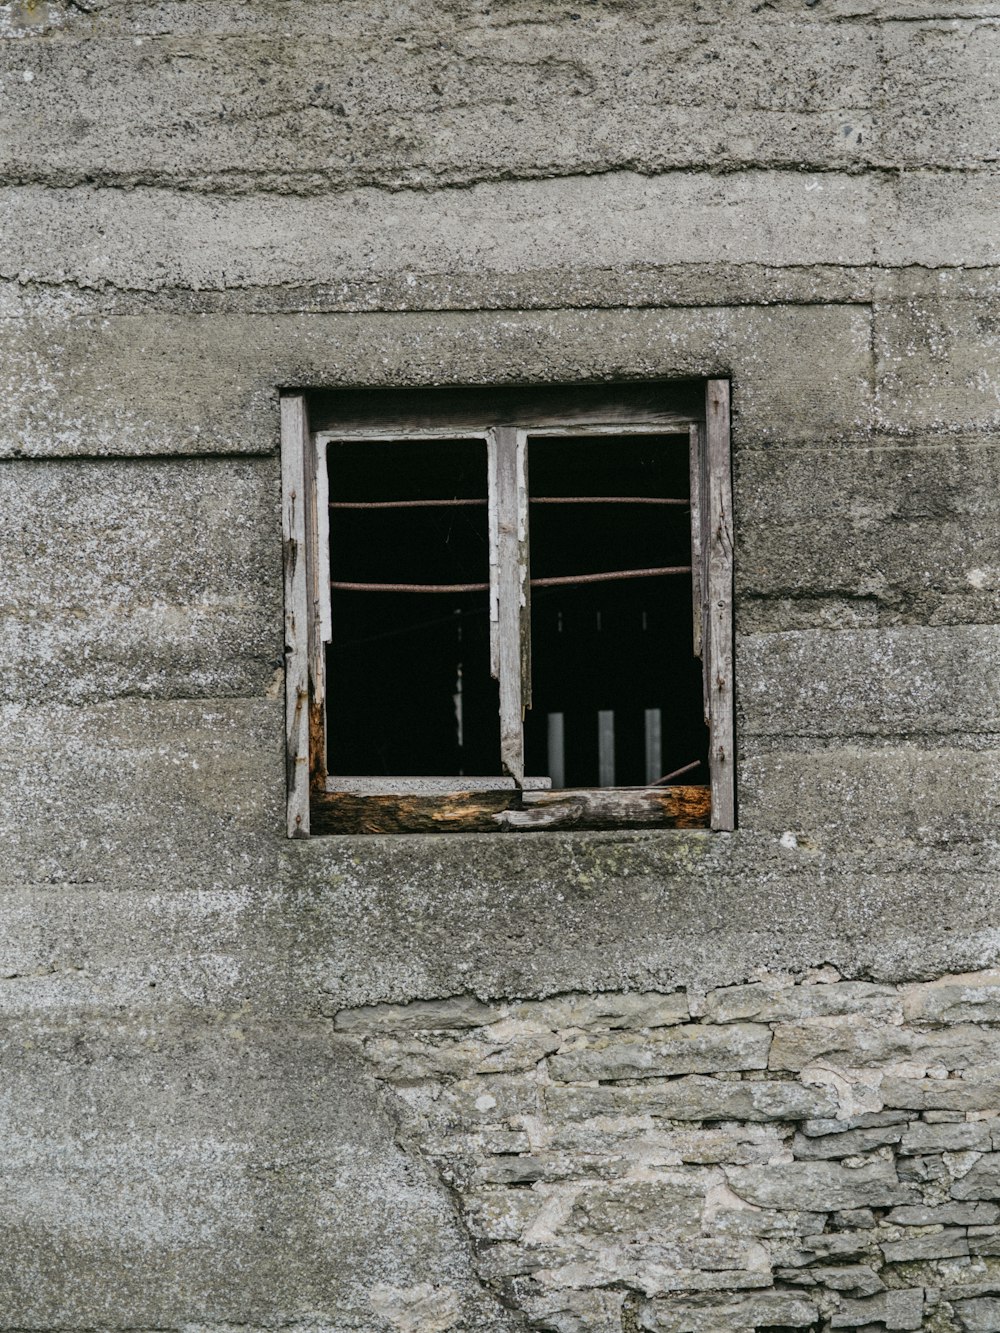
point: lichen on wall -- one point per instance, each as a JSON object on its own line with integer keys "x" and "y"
{"x": 810, "y": 1153}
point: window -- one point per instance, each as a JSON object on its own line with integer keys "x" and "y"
{"x": 496, "y": 602}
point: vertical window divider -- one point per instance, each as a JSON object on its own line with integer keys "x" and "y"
{"x": 321, "y": 618}
{"x": 717, "y": 559}
{"x": 298, "y": 525}
{"x": 510, "y": 610}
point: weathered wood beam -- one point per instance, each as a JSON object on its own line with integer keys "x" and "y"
{"x": 297, "y": 489}
{"x": 498, "y": 811}
{"x": 717, "y": 554}
{"x": 666, "y": 807}
{"x": 457, "y": 812}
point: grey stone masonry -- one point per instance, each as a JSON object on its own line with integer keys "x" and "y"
{"x": 603, "y": 1182}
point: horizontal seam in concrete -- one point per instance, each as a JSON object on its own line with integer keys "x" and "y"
{"x": 216, "y": 456}
{"x": 97, "y": 179}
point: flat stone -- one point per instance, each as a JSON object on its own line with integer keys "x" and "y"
{"x": 767, "y": 1223}
{"x": 654, "y": 1209}
{"x": 982, "y": 1181}
{"x": 961, "y": 1136}
{"x": 514, "y": 1170}
{"x": 952, "y": 1094}
{"x": 945, "y": 1214}
{"x": 818, "y": 1186}
{"x": 837, "y": 1248}
{"x": 771, "y": 1004}
{"x": 947, "y": 1244}
{"x": 980, "y": 1315}
{"x": 774, "y": 1309}
{"x": 461, "y": 1011}
{"x": 697, "y": 1097}
{"x": 493, "y": 1214}
{"x": 692, "y": 1049}
{"x": 409, "y": 1058}
{"x": 854, "y": 1217}
{"x": 971, "y": 998}
{"x": 569, "y": 1311}
{"x": 647, "y": 1009}
{"x": 856, "y": 1042}
{"x": 894, "y": 1309}
{"x": 868, "y": 1120}
{"x": 856, "y": 1280}
{"x": 490, "y": 1098}
{"x": 852, "y": 1144}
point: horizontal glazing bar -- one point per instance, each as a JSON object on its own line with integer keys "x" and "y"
{"x": 537, "y": 500}
{"x": 569, "y": 580}
{"x": 402, "y": 504}
{"x": 606, "y": 500}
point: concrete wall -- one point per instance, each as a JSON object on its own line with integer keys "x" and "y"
{"x": 591, "y": 1083}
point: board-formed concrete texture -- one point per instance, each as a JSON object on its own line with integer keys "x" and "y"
{"x": 677, "y": 1082}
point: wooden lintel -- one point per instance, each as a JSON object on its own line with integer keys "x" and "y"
{"x": 668, "y": 407}
{"x": 678, "y": 807}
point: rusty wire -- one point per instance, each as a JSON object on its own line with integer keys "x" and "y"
{"x": 562, "y": 580}
{"x": 535, "y": 500}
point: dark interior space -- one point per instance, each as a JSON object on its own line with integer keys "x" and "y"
{"x": 410, "y": 671}
{"x": 621, "y": 648}
{"x": 461, "y": 408}
{"x": 616, "y": 690}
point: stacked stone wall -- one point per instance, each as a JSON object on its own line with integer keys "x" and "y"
{"x": 820, "y": 1155}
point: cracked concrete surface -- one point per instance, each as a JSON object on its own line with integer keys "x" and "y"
{"x": 206, "y": 201}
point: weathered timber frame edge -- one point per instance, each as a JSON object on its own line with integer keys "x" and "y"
{"x": 319, "y": 804}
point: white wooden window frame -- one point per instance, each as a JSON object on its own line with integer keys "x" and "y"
{"x": 308, "y": 627}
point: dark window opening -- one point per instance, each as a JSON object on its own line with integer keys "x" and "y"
{"x": 508, "y": 609}
{"x": 616, "y": 689}
{"x": 410, "y": 671}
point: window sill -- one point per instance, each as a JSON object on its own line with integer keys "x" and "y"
{"x": 500, "y": 811}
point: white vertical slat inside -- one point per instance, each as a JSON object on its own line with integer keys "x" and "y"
{"x": 509, "y": 499}
{"x": 557, "y": 749}
{"x": 606, "y": 747}
{"x": 297, "y": 498}
{"x": 717, "y": 555}
{"x": 653, "y": 720}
